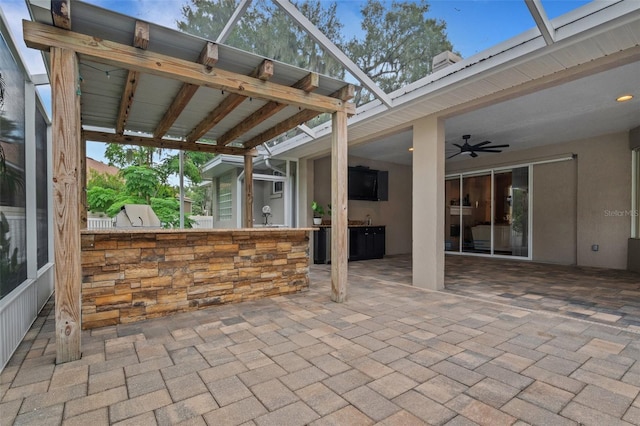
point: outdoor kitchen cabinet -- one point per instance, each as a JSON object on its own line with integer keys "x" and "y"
{"x": 366, "y": 242}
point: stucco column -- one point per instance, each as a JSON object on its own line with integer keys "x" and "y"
{"x": 428, "y": 203}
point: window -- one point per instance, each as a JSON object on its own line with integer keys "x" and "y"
{"x": 42, "y": 214}
{"x": 277, "y": 188}
{"x": 13, "y": 223}
{"x": 225, "y": 200}
{"x": 635, "y": 196}
{"x": 488, "y": 212}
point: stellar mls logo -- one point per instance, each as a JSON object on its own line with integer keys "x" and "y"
{"x": 621, "y": 213}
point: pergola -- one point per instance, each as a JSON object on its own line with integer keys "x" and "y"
{"x": 119, "y": 80}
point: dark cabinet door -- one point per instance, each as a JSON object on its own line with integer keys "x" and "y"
{"x": 357, "y": 244}
{"x": 377, "y": 242}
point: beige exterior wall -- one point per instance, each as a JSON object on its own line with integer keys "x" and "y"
{"x": 555, "y": 212}
{"x": 597, "y": 183}
{"x": 395, "y": 214}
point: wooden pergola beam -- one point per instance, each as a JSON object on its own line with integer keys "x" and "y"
{"x": 141, "y": 41}
{"x": 208, "y": 57}
{"x": 309, "y": 83}
{"x": 43, "y": 37}
{"x": 107, "y": 137}
{"x": 346, "y": 93}
{"x": 263, "y": 72}
{"x": 126, "y": 100}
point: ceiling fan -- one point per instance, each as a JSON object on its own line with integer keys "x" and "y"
{"x": 472, "y": 150}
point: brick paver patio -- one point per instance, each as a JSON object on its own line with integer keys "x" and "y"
{"x": 392, "y": 355}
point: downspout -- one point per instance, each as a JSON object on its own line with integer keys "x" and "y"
{"x": 239, "y": 196}
{"x": 272, "y": 167}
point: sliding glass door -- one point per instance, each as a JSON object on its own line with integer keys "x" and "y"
{"x": 488, "y": 213}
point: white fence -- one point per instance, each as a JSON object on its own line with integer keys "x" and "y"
{"x": 202, "y": 221}
{"x": 107, "y": 223}
{"x": 99, "y": 223}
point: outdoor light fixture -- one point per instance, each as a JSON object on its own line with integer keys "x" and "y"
{"x": 411, "y": 149}
{"x": 624, "y": 98}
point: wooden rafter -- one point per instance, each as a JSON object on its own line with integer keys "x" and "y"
{"x": 43, "y": 37}
{"x": 263, "y": 72}
{"x": 308, "y": 83}
{"x": 346, "y": 93}
{"x": 163, "y": 143}
{"x": 61, "y": 13}
{"x": 141, "y": 41}
{"x": 208, "y": 57}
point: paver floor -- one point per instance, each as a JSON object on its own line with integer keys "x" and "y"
{"x": 392, "y": 354}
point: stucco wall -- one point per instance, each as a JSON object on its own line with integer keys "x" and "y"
{"x": 554, "y": 212}
{"x": 395, "y": 214}
{"x": 602, "y": 195}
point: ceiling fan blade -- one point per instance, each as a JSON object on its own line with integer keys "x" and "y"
{"x": 459, "y": 146}
{"x": 478, "y": 145}
{"x": 451, "y": 156}
{"x": 473, "y": 154}
{"x": 498, "y": 146}
{"x": 488, "y": 150}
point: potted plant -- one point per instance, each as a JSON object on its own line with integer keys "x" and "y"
{"x": 318, "y": 212}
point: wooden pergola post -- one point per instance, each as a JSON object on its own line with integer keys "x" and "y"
{"x": 339, "y": 216}
{"x": 67, "y": 142}
{"x": 248, "y": 191}
{"x": 82, "y": 205}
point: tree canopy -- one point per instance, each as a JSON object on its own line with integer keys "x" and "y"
{"x": 398, "y": 43}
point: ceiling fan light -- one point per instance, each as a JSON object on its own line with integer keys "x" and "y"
{"x": 624, "y": 98}
{"x": 411, "y": 149}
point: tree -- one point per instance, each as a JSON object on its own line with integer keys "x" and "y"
{"x": 399, "y": 44}
{"x": 267, "y": 31}
{"x": 397, "y": 48}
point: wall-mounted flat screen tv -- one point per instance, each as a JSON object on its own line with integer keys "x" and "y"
{"x": 367, "y": 184}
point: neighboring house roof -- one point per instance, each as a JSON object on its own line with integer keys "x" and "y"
{"x": 100, "y": 167}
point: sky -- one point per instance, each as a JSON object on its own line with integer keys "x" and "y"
{"x": 472, "y": 25}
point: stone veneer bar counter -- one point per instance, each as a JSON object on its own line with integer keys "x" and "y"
{"x": 134, "y": 274}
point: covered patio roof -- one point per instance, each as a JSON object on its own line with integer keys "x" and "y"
{"x": 183, "y": 91}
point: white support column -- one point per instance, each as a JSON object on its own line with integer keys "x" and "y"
{"x": 428, "y": 203}
{"x": 181, "y": 173}
{"x": 339, "y": 215}
{"x": 540, "y": 17}
{"x": 248, "y": 192}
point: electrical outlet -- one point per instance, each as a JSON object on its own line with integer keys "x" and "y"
{"x": 595, "y": 247}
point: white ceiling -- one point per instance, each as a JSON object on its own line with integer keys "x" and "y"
{"x": 579, "y": 109}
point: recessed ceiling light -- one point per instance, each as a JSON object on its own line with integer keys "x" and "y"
{"x": 411, "y": 149}
{"x": 624, "y": 98}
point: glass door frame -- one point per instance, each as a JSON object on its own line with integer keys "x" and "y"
{"x": 460, "y": 176}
